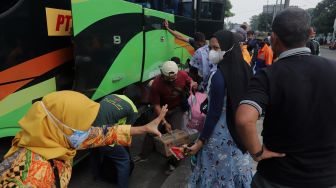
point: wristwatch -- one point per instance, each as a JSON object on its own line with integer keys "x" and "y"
{"x": 259, "y": 153}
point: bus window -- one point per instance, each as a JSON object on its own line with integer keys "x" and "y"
{"x": 187, "y": 8}
{"x": 5, "y": 5}
{"x": 211, "y": 10}
{"x": 169, "y": 6}
{"x": 144, "y": 3}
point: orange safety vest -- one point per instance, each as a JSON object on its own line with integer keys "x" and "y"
{"x": 246, "y": 55}
{"x": 265, "y": 55}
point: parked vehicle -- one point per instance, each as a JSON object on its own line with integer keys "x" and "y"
{"x": 94, "y": 47}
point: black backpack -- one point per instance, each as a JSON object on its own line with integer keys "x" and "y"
{"x": 313, "y": 46}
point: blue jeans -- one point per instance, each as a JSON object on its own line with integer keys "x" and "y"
{"x": 121, "y": 160}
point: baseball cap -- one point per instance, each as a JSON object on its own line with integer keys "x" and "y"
{"x": 169, "y": 68}
{"x": 261, "y": 36}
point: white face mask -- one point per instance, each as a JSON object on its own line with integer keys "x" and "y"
{"x": 216, "y": 56}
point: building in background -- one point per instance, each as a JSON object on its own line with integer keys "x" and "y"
{"x": 270, "y": 9}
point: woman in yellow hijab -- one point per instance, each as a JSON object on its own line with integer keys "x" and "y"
{"x": 52, "y": 130}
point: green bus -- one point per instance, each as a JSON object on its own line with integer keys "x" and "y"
{"x": 96, "y": 47}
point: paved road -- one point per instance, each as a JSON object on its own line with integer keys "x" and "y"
{"x": 150, "y": 174}
{"x": 328, "y": 53}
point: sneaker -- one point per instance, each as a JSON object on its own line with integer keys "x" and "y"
{"x": 138, "y": 159}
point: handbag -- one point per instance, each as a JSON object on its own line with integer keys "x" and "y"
{"x": 196, "y": 118}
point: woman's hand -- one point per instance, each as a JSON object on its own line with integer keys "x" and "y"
{"x": 195, "y": 148}
{"x": 152, "y": 127}
{"x": 194, "y": 85}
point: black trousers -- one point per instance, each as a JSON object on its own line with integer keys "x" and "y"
{"x": 259, "y": 181}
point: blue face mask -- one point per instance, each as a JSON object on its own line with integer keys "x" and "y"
{"x": 76, "y": 138}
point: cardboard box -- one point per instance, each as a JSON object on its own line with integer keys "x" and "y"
{"x": 176, "y": 138}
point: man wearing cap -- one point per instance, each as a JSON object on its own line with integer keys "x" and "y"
{"x": 265, "y": 54}
{"x": 169, "y": 88}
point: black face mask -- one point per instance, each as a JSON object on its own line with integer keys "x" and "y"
{"x": 167, "y": 81}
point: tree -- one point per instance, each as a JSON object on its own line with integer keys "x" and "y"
{"x": 311, "y": 12}
{"x": 324, "y": 15}
{"x": 265, "y": 21}
{"x": 254, "y": 22}
{"x": 228, "y": 7}
{"x": 261, "y": 22}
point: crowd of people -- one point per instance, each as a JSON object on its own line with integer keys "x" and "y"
{"x": 244, "y": 76}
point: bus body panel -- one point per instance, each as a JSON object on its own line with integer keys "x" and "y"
{"x": 159, "y": 43}
{"x": 125, "y": 70}
{"x": 108, "y": 46}
{"x": 35, "y": 56}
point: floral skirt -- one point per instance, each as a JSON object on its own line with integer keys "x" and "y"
{"x": 220, "y": 164}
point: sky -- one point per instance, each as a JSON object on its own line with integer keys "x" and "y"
{"x": 245, "y": 9}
